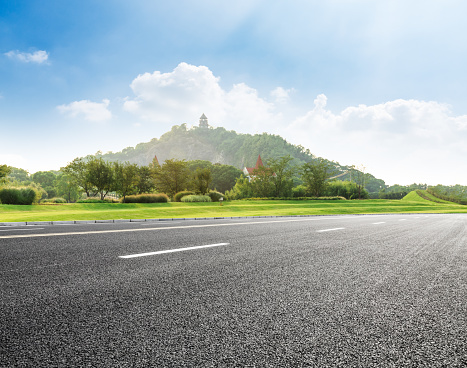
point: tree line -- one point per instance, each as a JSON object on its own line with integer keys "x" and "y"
{"x": 280, "y": 178}
{"x": 93, "y": 176}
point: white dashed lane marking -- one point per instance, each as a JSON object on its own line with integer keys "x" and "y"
{"x": 171, "y": 251}
{"x": 334, "y": 229}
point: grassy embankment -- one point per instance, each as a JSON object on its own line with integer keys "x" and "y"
{"x": 412, "y": 203}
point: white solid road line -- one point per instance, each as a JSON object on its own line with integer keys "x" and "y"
{"x": 172, "y": 250}
{"x": 378, "y": 223}
{"x": 169, "y": 228}
{"x": 335, "y": 229}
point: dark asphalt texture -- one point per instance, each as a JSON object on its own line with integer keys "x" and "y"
{"x": 373, "y": 291}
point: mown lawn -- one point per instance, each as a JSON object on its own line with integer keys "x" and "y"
{"x": 113, "y": 211}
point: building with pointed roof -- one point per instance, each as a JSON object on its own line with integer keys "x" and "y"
{"x": 203, "y": 121}
{"x": 249, "y": 171}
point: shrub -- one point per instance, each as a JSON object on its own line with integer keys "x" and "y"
{"x": 25, "y": 196}
{"x": 54, "y": 200}
{"x": 180, "y": 195}
{"x": 215, "y": 196}
{"x": 299, "y": 191}
{"x": 196, "y": 198}
{"x": 147, "y": 198}
{"x": 97, "y": 200}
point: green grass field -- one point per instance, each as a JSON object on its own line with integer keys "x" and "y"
{"x": 412, "y": 203}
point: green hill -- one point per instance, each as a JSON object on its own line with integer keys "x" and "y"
{"x": 211, "y": 144}
{"x": 424, "y": 196}
{"x": 219, "y": 145}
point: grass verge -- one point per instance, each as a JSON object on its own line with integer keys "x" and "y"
{"x": 413, "y": 203}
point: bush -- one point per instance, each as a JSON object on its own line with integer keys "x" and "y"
{"x": 97, "y": 200}
{"x": 299, "y": 191}
{"x": 24, "y": 196}
{"x": 196, "y": 198}
{"x": 180, "y": 195}
{"x": 54, "y": 200}
{"x": 215, "y": 196}
{"x": 147, "y": 198}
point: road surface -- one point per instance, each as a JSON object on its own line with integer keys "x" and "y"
{"x": 324, "y": 291}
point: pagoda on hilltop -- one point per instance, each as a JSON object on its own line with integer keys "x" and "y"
{"x": 203, "y": 121}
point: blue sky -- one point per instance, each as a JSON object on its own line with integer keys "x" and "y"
{"x": 371, "y": 83}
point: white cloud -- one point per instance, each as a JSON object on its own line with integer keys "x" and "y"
{"x": 188, "y": 91}
{"x": 92, "y": 111}
{"x": 281, "y": 95}
{"x": 400, "y": 141}
{"x": 38, "y": 57}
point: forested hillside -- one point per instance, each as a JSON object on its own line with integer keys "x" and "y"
{"x": 211, "y": 144}
{"x": 219, "y": 145}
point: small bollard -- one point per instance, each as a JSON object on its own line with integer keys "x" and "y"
{"x": 220, "y": 201}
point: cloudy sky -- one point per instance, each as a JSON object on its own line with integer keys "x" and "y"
{"x": 381, "y": 84}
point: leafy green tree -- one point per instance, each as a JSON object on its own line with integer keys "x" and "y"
{"x": 315, "y": 175}
{"x": 19, "y": 175}
{"x": 145, "y": 180}
{"x": 100, "y": 175}
{"x": 78, "y": 172}
{"x": 282, "y": 178}
{"x": 224, "y": 177}
{"x": 66, "y": 188}
{"x": 241, "y": 189}
{"x": 262, "y": 182}
{"x": 172, "y": 177}
{"x": 125, "y": 179}
{"x": 4, "y": 171}
{"x": 46, "y": 179}
{"x": 202, "y": 180}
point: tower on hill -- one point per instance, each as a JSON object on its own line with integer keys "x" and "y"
{"x": 203, "y": 122}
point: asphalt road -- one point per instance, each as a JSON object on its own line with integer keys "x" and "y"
{"x": 350, "y": 291}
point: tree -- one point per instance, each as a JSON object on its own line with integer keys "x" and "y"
{"x": 19, "y": 175}
{"x": 145, "y": 182}
{"x": 283, "y": 173}
{"x": 201, "y": 180}
{"x": 46, "y": 179}
{"x": 359, "y": 177}
{"x": 4, "y": 171}
{"x": 66, "y": 187}
{"x": 241, "y": 189}
{"x": 315, "y": 174}
{"x": 125, "y": 178}
{"x": 172, "y": 177}
{"x": 100, "y": 175}
{"x": 262, "y": 182}
{"x": 224, "y": 177}
{"x": 78, "y": 172}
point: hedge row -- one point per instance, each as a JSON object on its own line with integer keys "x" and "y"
{"x": 445, "y": 197}
{"x": 23, "y": 196}
{"x": 334, "y": 198}
{"x": 54, "y": 200}
{"x": 146, "y": 198}
{"x": 196, "y": 198}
